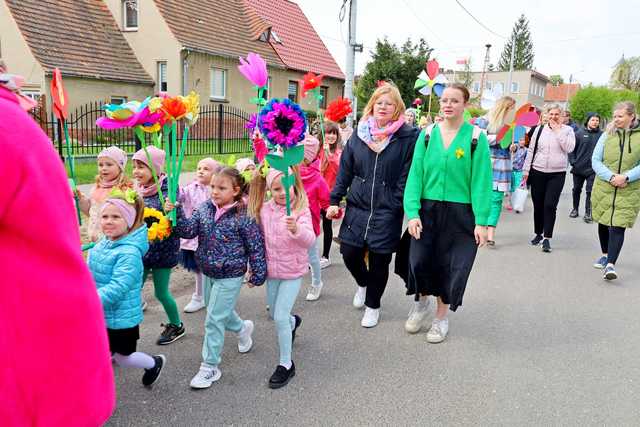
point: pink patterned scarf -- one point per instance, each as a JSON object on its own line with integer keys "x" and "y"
{"x": 377, "y": 138}
{"x": 150, "y": 189}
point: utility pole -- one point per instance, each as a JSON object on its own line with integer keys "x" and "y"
{"x": 487, "y": 59}
{"x": 352, "y": 48}
{"x": 513, "y": 55}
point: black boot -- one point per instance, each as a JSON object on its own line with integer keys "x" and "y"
{"x": 282, "y": 376}
{"x": 587, "y": 214}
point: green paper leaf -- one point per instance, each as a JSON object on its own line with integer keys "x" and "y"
{"x": 288, "y": 181}
{"x": 506, "y": 140}
{"x": 277, "y": 162}
{"x": 294, "y": 155}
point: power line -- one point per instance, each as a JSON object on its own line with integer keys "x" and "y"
{"x": 478, "y": 21}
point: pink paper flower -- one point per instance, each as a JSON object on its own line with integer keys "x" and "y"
{"x": 260, "y": 148}
{"x": 282, "y": 122}
{"x": 254, "y": 68}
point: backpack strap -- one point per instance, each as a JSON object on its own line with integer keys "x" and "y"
{"x": 427, "y": 135}
{"x": 474, "y": 141}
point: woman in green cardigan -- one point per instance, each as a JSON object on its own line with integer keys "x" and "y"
{"x": 616, "y": 193}
{"x": 447, "y": 200}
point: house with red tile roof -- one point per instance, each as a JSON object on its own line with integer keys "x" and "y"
{"x": 82, "y": 39}
{"x": 118, "y": 50}
{"x": 561, "y": 94}
{"x": 195, "y": 45}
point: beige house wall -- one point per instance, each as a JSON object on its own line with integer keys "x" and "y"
{"x": 83, "y": 91}
{"x": 16, "y": 54}
{"x": 152, "y": 42}
{"x": 238, "y": 90}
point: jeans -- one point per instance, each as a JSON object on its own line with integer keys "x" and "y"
{"x": 497, "y": 197}
{"x": 220, "y": 296}
{"x": 281, "y": 296}
{"x": 545, "y": 194}
{"x": 373, "y": 276}
{"x": 314, "y": 262}
{"x": 578, "y": 182}
{"x": 611, "y": 241}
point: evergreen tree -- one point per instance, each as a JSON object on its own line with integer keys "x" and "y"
{"x": 523, "y": 59}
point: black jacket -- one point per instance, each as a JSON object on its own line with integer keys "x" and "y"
{"x": 580, "y": 157}
{"x": 374, "y": 186}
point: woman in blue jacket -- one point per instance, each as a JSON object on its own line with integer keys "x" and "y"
{"x": 373, "y": 172}
{"x": 116, "y": 265}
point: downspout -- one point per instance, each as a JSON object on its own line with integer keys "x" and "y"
{"x": 185, "y": 71}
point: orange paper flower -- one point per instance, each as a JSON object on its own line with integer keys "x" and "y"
{"x": 310, "y": 82}
{"x": 174, "y": 108}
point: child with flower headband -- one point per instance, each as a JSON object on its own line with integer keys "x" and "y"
{"x": 228, "y": 239}
{"x": 287, "y": 242}
{"x": 116, "y": 265}
{"x": 317, "y": 192}
{"x": 191, "y": 197}
{"x": 163, "y": 254}
{"x": 111, "y": 174}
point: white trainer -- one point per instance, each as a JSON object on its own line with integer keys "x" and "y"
{"x": 314, "y": 292}
{"x": 370, "y": 318}
{"x": 358, "y": 298}
{"x": 438, "y": 331}
{"x": 196, "y": 304}
{"x": 324, "y": 262}
{"x": 206, "y": 376}
{"x": 245, "y": 342}
{"x": 417, "y": 316}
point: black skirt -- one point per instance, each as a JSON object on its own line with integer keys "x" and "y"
{"x": 188, "y": 260}
{"x": 441, "y": 261}
{"x": 123, "y": 341}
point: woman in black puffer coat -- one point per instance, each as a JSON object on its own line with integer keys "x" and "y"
{"x": 373, "y": 172}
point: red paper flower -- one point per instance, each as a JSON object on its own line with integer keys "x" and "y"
{"x": 310, "y": 82}
{"x": 417, "y": 102}
{"x": 338, "y": 109}
{"x": 174, "y": 108}
{"x": 381, "y": 83}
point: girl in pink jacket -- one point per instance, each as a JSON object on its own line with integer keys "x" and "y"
{"x": 317, "y": 192}
{"x": 287, "y": 241}
{"x": 191, "y": 197}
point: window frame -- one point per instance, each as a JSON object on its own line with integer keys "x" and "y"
{"x": 515, "y": 85}
{"x": 324, "y": 91}
{"x": 122, "y": 99}
{"x": 476, "y": 87}
{"x": 225, "y": 80}
{"x": 159, "y": 83}
{"x": 125, "y": 26}
{"x": 290, "y": 84}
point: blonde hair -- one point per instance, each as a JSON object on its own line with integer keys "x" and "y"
{"x": 554, "y": 106}
{"x": 123, "y": 180}
{"x": 629, "y": 108}
{"x": 258, "y": 194}
{"x": 394, "y": 93}
{"x": 498, "y": 113}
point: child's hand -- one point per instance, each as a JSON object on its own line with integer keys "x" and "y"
{"x": 168, "y": 206}
{"x": 292, "y": 226}
{"x": 332, "y": 212}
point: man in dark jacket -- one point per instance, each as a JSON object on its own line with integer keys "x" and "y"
{"x": 566, "y": 119}
{"x": 580, "y": 159}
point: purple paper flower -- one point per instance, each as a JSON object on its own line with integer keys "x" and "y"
{"x": 282, "y": 122}
{"x": 252, "y": 123}
{"x": 254, "y": 69}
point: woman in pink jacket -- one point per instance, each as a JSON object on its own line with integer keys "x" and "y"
{"x": 287, "y": 241}
{"x": 318, "y": 194}
{"x": 545, "y": 170}
{"x": 55, "y": 367}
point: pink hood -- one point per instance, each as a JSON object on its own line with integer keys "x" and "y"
{"x": 317, "y": 192}
{"x": 55, "y": 366}
{"x": 286, "y": 253}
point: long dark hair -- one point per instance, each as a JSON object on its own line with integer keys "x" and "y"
{"x": 332, "y": 127}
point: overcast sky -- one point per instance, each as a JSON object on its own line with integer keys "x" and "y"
{"x": 570, "y": 37}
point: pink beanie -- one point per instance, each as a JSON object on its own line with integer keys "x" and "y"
{"x": 311, "y": 145}
{"x": 243, "y": 164}
{"x": 214, "y": 165}
{"x": 115, "y": 154}
{"x": 157, "y": 158}
{"x": 275, "y": 174}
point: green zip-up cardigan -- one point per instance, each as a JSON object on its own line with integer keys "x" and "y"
{"x": 451, "y": 175}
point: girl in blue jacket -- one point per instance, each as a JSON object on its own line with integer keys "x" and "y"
{"x": 116, "y": 265}
{"x": 227, "y": 239}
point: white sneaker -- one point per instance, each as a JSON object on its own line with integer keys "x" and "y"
{"x": 358, "y": 298}
{"x": 324, "y": 262}
{"x": 438, "y": 331}
{"x": 196, "y": 304}
{"x": 206, "y": 376}
{"x": 144, "y": 306}
{"x": 245, "y": 342}
{"x": 417, "y": 316}
{"x": 370, "y": 318}
{"x": 314, "y": 292}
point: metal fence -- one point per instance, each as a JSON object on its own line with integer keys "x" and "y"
{"x": 219, "y": 130}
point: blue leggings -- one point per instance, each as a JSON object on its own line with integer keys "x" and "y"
{"x": 281, "y": 296}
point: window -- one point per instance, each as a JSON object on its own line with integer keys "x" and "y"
{"x": 498, "y": 88}
{"x": 476, "y": 87}
{"x": 324, "y": 91}
{"x": 532, "y": 89}
{"x": 275, "y": 37}
{"x": 488, "y": 85}
{"x": 218, "y": 83}
{"x": 267, "y": 92}
{"x": 515, "y": 87}
{"x": 130, "y": 15}
{"x": 292, "y": 91}
{"x": 542, "y": 88}
{"x": 162, "y": 76}
{"x": 117, "y": 100}
{"x": 33, "y": 94}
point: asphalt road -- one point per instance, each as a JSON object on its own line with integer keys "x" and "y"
{"x": 540, "y": 340}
